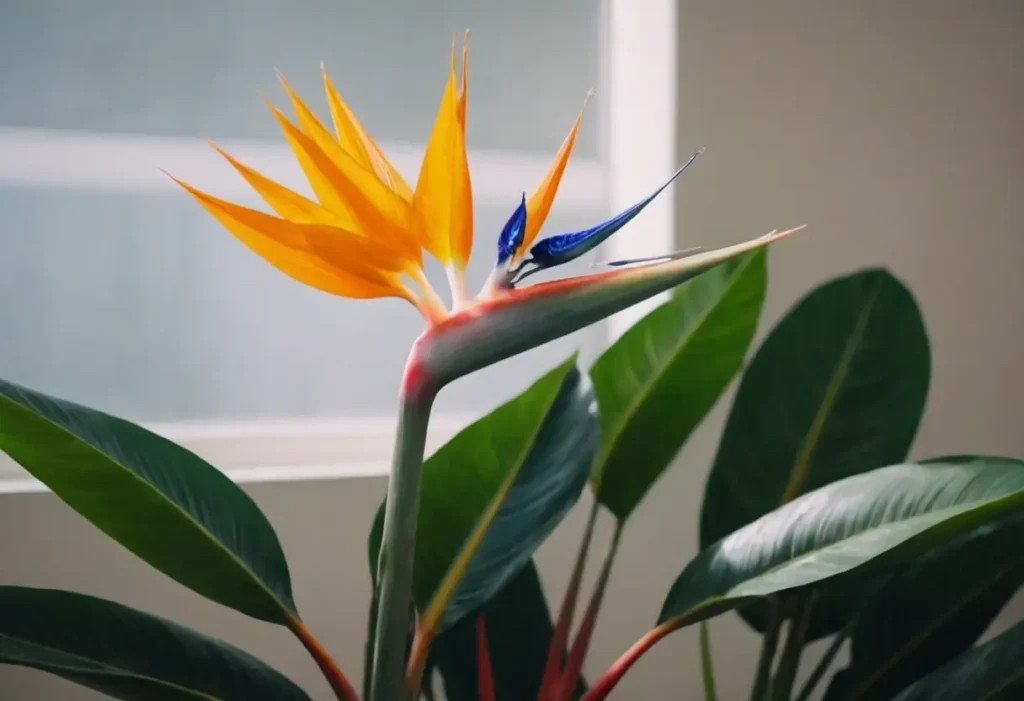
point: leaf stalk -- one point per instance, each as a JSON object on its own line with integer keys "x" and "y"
{"x": 340, "y": 685}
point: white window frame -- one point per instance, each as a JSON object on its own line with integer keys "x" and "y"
{"x": 639, "y": 103}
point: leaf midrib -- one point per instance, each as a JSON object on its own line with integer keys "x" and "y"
{"x": 433, "y": 615}
{"x": 114, "y": 671}
{"x": 288, "y": 613}
{"x": 801, "y": 467}
{"x": 953, "y": 511}
{"x": 640, "y": 397}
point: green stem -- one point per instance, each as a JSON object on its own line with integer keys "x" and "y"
{"x": 707, "y": 666}
{"x": 768, "y": 646}
{"x": 785, "y": 675}
{"x": 398, "y": 546}
{"x": 826, "y": 662}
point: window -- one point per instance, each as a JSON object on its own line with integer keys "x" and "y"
{"x": 121, "y": 293}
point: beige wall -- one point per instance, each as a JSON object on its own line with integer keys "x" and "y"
{"x": 893, "y": 128}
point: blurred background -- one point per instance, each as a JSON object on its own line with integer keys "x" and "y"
{"x": 892, "y": 129}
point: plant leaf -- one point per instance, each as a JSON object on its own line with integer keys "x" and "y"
{"x": 656, "y": 383}
{"x": 163, "y": 503}
{"x": 494, "y": 492}
{"x": 128, "y": 654}
{"x": 884, "y": 516}
{"x": 931, "y": 612}
{"x": 837, "y": 388}
{"x": 519, "y": 631}
{"x": 989, "y": 672}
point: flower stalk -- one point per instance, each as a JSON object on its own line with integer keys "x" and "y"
{"x": 395, "y": 567}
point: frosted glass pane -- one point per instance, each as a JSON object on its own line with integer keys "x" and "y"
{"x": 192, "y": 67}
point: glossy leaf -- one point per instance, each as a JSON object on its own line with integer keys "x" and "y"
{"x": 885, "y": 516}
{"x": 837, "y": 388}
{"x": 519, "y": 632}
{"x": 128, "y": 654}
{"x": 510, "y": 476}
{"x": 933, "y": 611}
{"x": 658, "y": 381}
{"x": 163, "y": 503}
{"x": 989, "y": 672}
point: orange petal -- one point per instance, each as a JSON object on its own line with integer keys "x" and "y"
{"x": 464, "y": 88}
{"x": 314, "y": 129}
{"x": 284, "y": 246}
{"x": 539, "y": 203}
{"x": 360, "y": 251}
{"x": 288, "y": 203}
{"x": 322, "y": 186}
{"x": 378, "y": 212}
{"x": 346, "y": 126}
{"x": 443, "y": 195}
{"x": 357, "y": 141}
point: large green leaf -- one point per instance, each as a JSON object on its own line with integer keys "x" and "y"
{"x": 931, "y": 612}
{"x": 510, "y": 477}
{"x": 657, "y": 382}
{"x": 837, "y": 388}
{"x": 881, "y": 518}
{"x": 166, "y": 505}
{"x": 128, "y": 654}
{"x": 519, "y": 633}
{"x": 989, "y": 672}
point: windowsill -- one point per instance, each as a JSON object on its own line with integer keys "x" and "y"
{"x": 287, "y": 450}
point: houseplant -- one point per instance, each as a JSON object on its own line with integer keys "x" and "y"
{"x": 846, "y": 531}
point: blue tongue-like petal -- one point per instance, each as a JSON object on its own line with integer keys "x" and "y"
{"x": 512, "y": 233}
{"x": 562, "y": 248}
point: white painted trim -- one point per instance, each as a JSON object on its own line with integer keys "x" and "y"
{"x": 279, "y": 450}
{"x": 640, "y": 99}
{"x": 133, "y": 163}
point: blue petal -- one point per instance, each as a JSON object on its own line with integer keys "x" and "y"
{"x": 512, "y": 233}
{"x": 563, "y": 248}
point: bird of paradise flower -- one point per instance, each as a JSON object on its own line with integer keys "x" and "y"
{"x": 364, "y": 236}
